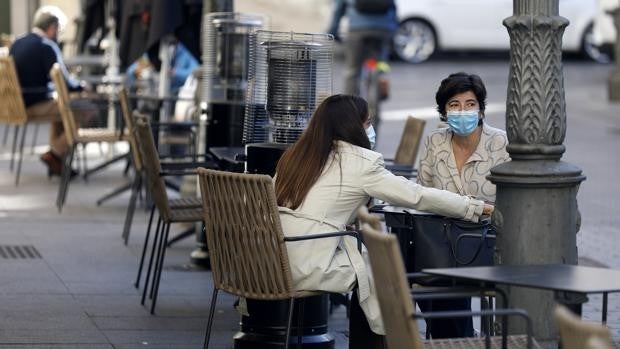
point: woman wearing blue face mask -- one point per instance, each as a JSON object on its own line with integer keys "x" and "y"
{"x": 458, "y": 158}
{"x": 321, "y": 181}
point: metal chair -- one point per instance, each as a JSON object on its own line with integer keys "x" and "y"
{"x": 576, "y": 333}
{"x": 247, "y": 246}
{"x": 75, "y": 135}
{"x": 398, "y": 311}
{"x": 407, "y": 151}
{"x": 181, "y": 210}
{"x": 13, "y": 111}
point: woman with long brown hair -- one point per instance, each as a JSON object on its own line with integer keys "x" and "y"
{"x": 321, "y": 181}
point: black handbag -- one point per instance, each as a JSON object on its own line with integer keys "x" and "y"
{"x": 441, "y": 242}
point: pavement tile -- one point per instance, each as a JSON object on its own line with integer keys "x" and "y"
{"x": 29, "y": 276}
{"x": 36, "y": 336}
{"x": 42, "y": 312}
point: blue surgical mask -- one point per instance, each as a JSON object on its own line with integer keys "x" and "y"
{"x": 464, "y": 122}
{"x": 372, "y": 136}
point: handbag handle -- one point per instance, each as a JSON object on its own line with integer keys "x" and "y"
{"x": 483, "y": 237}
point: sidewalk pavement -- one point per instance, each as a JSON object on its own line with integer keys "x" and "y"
{"x": 77, "y": 292}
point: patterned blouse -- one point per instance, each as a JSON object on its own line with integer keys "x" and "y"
{"x": 438, "y": 169}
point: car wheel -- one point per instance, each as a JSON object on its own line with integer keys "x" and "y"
{"x": 590, "y": 50}
{"x": 414, "y": 41}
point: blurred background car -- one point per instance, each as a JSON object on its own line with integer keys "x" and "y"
{"x": 603, "y": 30}
{"x": 428, "y": 26}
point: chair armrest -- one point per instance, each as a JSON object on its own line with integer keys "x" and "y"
{"x": 185, "y": 165}
{"x": 181, "y": 126}
{"x": 183, "y": 168}
{"x": 185, "y": 156}
{"x": 178, "y": 173}
{"x": 430, "y": 293}
{"x": 498, "y": 312}
{"x": 352, "y": 233}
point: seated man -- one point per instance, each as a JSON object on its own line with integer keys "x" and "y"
{"x": 35, "y": 53}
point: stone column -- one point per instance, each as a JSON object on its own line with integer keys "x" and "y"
{"x": 536, "y": 208}
{"x": 613, "y": 83}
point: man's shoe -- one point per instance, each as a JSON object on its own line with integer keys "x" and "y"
{"x": 54, "y": 164}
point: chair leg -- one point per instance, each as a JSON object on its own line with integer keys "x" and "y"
{"x": 65, "y": 177}
{"x": 34, "y": 138}
{"x": 291, "y": 305}
{"x": 20, "y": 156}
{"x": 146, "y": 242}
{"x": 7, "y": 128}
{"x": 300, "y": 320}
{"x": 102, "y": 165}
{"x": 115, "y": 192}
{"x": 14, "y": 147}
{"x": 131, "y": 208}
{"x": 210, "y": 320}
{"x": 148, "y": 270}
{"x": 85, "y": 163}
{"x": 184, "y": 234}
{"x": 127, "y": 166}
{"x": 160, "y": 246}
{"x": 159, "y": 270}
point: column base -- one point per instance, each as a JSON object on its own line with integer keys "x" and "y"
{"x": 613, "y": 86}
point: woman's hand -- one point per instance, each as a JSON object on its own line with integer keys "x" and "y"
{"x": 488, "y": 209}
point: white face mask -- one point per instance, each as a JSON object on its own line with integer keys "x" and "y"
{"x": 372, "y": 136}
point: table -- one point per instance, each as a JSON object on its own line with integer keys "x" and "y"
{"x": 228, "y": 158}
{"x": 576, "y": 279}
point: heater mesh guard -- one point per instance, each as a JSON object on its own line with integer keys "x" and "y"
{"x": 289, "y": 75}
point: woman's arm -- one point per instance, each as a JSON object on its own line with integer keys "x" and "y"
{"x": 379, "y": 183}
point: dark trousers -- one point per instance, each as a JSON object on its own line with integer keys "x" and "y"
{"x": 448, "y": 327}
{"x": 360, "y": 334}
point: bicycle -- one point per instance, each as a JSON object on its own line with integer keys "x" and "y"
{"x": 375, "y": 86}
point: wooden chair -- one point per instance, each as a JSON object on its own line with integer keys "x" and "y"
{"x": 247, "y": 247}
{"x": 136, "y": 162}
{"x": 136, "y": 183}
{"x": 576, "y": 333}
{"x": 75, "y": 135}
{"x": 407, "y": 151}
{"x": 13, "y": 111}
{"x": 181, "y": 210}
{"x": 395, "y": 299}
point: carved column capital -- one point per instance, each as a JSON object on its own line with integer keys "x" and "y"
{"x": 535, "y": 105}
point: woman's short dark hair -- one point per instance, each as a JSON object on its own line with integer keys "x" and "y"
{"x": 458, "y": 83}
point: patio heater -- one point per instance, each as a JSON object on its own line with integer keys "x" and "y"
{"x": 225, "y": 57}
{"x": 289, "y": 75}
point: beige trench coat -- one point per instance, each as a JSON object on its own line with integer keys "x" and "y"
{"x": 335, "y": 264}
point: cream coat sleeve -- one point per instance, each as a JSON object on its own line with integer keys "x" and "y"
{"x": 382, "y": 184}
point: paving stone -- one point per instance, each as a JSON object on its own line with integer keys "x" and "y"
{"x": 36, "y": 336}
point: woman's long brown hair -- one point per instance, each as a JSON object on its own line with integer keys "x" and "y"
{"x": 337, "y": 118}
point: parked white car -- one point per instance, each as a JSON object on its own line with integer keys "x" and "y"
{"x": 604, "y": 30}
{"x": 428, "y": 26}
